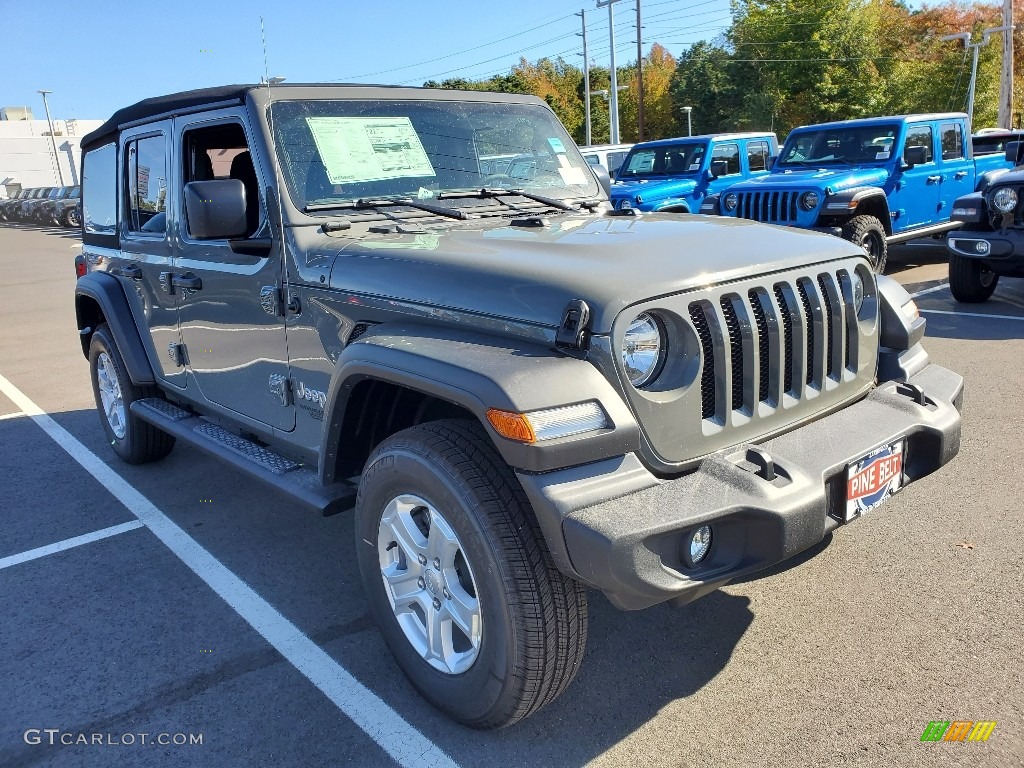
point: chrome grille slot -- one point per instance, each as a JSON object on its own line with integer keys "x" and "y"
{"x": 836, "y": 351}
{"x": 785, "y": 308}
{"x": 735, "y": 334}
{"x": 850, "y": 320}
{"x": 758, "y": 298}
{"x": 811, "y": 320}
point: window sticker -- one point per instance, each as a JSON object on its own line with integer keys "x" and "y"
{"x": 572, "y": 175}
{"x": 557, "y": 145}
{"x": 564, "y": 161}
{"x": 882, "y": 155}
{"x": 695, "y": 166}
{"x": 357, "y": 149}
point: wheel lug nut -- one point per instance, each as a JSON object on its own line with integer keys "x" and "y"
{"x": 447, "y": 594}
{"x": 437, "y": 603}
{"x": 420, "y": 583}
{"x": 422, "y": 559}
{"x": 437, "y": 563}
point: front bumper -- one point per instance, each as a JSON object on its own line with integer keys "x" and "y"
{"x": 1005, "y": 247}
{"x": 624, "y": 530}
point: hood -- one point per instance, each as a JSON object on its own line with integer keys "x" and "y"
{"x": 831, "y": 179}
{"x": 653, "y": 189}
{"x": 530, "y": 274}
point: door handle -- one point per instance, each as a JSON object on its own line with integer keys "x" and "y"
{"x": 934, "y": 179}
{"x": 960, "y": 174}
{"x": 187, "y": 281}
{"x": 131, "y": 271}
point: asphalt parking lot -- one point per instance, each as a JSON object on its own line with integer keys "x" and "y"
{"x": 229, "y": 616}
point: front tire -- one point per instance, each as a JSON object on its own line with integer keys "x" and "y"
{"x": 443, "y": 531}
{"x": 134, "y": 440}
{"x": 72, "y": 218}
{"x": 869, "y": 234}
{"x": 969, "y": 281}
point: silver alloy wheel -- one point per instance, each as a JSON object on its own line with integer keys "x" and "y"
{"x": 73, "y": 219}
{"x": 429, "y": 583}
{"x": 110, "y": 395}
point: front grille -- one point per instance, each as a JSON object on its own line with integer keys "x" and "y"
{"x": 771, "y": 207}
{"x": 800, "y": 332}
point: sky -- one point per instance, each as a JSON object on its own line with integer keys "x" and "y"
{"x": 99, "y": 55}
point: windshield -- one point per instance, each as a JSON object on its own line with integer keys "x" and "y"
{"x": 669, "y": 159}
{"x": 337, "y": 151}
{"x": 849, "y": 144}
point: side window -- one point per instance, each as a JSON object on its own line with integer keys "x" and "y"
{"x": 952, "y": 141}
{"x": 730, "y": 153}
{"x": 615, "y": 160}
{"x": 221, "y": 152}
{"x": 757, "y": 155}
{"x": 99, "y": 184}
{"x": 146, "y": 187}
{"x": 921, "y": 136}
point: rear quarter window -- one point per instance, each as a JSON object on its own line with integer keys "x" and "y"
{"x": 99, "y": 195}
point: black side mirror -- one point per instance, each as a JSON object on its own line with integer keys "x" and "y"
{"x": 216, "y": 209}
{"x": 719, "y": 168}
{"x": 603, "y": 178}
{"x": 1013, "y": 152}
{"x": 915, "y": 156}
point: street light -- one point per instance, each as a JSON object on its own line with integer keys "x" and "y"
{"x": 53, "y": 141}
{"x": 612, "y": 138}
{"x": 975, "y": 48}
{"x": 689, "y": 121}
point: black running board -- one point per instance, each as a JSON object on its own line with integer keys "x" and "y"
{"x": 290, "y": 478}
{"x": 914, "y": 234}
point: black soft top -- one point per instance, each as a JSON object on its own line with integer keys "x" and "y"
{"x": 160, "y": 105}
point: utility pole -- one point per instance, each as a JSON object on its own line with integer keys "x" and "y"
{"x": 640, "y": 76}
{"x": 613, "y": 91}
{"x": 53, "y": 141}
{"x": 586, "y": 74}
{"x": 1006, "y": 82}
{"x": 975, "y": 49}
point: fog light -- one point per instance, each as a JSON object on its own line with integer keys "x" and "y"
{"x": 981, "y": 246}
{"x": 700, "y": 543}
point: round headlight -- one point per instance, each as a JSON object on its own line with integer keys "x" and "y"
{"x": 625, "y": 203}
{"x": 809, "y": 201}
{"x": 1005, "y": 199}
{"x": 858, "y": 292}
{"x": 642, "y": 350}
{"x": 729, "y": 201}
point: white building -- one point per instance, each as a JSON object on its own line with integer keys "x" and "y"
{"x": 26, "y": 152}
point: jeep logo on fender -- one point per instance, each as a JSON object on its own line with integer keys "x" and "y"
{"x": 302, "y": 392}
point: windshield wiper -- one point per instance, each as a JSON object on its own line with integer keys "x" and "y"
{"x": 440, "y": 210}
{"x": 501, "y": 192}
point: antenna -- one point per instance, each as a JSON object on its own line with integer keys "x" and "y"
{"x": 271, "y": 146}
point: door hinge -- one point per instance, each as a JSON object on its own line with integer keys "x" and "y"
{"x": 270, "y": 299}
{"x": 177, "y": 353}
{"x": 281, "y": 386}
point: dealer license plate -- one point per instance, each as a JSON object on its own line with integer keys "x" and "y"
{"x": 873, "y": 479}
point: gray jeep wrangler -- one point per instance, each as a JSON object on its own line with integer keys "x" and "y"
{"x": 523, "y": 393}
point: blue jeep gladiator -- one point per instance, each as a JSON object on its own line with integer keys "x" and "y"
{"x": 875, "y": 181}
{"x": 675, "y": 175}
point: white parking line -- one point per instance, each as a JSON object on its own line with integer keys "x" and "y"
{"x": 968, "y": 314}
{"x": 6, "y": 416}
{"x": 406, "y": 745}
{"x": 933, "y": 289}
{"x": 77, "y": 541}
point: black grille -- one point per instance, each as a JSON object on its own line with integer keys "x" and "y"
{"x": 787, "y": 332}
{"x": 358, "y": 331}
{"x": 829, "y": 357}
{"x": 732, "y": 324}
{"x": 763, "y": 347}
{"x": 774, "y": 207}
{"x": 707, "y": 377}
{"x": 846, "y": 289}
{"x": 809, "y": 325}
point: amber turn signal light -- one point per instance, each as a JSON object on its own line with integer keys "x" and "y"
{"x": 514, "y": 426}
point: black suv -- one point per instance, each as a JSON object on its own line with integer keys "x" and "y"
{"x": 522, "y": 392}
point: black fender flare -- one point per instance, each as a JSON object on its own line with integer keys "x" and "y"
{"x": 847, "y": 202}
{"x": 974, "y": 201}
{"x": 986, "y": 179}
{"x": 477, "y": 372}
{"x": 106, "y": 291}
{"x": 709, "y": 206}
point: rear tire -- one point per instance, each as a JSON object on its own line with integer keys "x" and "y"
{"x": 531, "y": 620}
{"x": 134, "y": 440}
{"x": 72, "y": 218}
{"x": 869, "y": 234}
{"x": 969, "y": 281}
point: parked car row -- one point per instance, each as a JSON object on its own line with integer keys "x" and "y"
{"x": 872, "y": 181}
{"x": 60, "y": 206}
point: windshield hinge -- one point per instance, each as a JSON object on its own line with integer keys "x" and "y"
{"x": 573, "y": 331}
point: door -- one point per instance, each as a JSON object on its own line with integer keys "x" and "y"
{"x": 956, "y": 168}
{"x": 146, "y": 246}
{"x": 229, "y": 310}
{"x": 917, "y": 191}
{"x": 730, "y": 153}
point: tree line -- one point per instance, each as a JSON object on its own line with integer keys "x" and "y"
{"x": 784, "y": 63}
